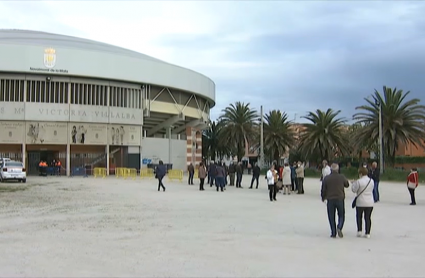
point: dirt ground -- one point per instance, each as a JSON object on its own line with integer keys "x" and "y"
{"x": 80, "y": 227}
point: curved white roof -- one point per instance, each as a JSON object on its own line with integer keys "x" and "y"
{"x": 83, "y": 57}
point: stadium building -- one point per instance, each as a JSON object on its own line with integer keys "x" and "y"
{"x": 91, "y": 104}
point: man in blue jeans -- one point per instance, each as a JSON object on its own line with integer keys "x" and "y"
{"x": 333, "y": 191}
{"x": 374, "y": 174}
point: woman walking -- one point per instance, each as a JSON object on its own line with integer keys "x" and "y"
{"x": 363, "y": 187}
{"x": 160, "y": 173}
{"x": 412, "y": 183}
{"x": 202, "y": 174}
{"x": 271, "y": 182}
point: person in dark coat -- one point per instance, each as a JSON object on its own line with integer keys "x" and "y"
{"x": 239, "y": 171}
{"x": 160, "y": 173}
{"x": 294, "y": 182}
{"x": 232, "y": 171}
{"x": 191, "y": 172}
{"x": 211, "y": 173}
{"x": 226, "y": 173}
{"x": 333, "y": 193}
{"x": 255, "y": 175}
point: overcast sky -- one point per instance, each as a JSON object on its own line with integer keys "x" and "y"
{"x": 296, "y": 56}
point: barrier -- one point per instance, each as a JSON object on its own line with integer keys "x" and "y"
{"x": 120, "y": 172}
{"x": 130, "y": 173}
{"x": 175, "y": 175}
{"x": 99, "y": 172}
{"x": 78, "y": 171}
{"x": 146, "y": 173}
{"x": 195, "y": 175}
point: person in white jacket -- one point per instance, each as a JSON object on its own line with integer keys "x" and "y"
{"x": 363, "y": 187}
{"x": 286, "y": 179}
{"x": 271, "y": 182}
{"x": 326, "y": 170}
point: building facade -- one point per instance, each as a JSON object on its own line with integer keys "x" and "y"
{"x": 90, "y": 104}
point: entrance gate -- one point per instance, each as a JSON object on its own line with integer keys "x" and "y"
{"x": 33, "y": 160}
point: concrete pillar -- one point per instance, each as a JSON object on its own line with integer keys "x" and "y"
{"x": 170, "y": 148}
{"x": 24, "y": 155}
{"x": 68, "y": 160}
{"x": 107, "y": 159}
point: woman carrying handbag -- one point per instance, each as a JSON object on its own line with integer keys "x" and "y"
{"x": 363, "y": 187}
{"x": 412, "y": 183}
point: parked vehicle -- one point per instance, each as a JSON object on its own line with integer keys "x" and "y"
{"x": 12, "y": 170}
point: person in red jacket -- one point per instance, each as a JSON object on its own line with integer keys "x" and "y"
{"x": 412, "y": 183}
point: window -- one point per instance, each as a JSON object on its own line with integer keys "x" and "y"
{"x": 12, "y": 90}
{"x": 47, "y": 92}
{"x": 124, "y": 97}
{"x": 88, "y": 94}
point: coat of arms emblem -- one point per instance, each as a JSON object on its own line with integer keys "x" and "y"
{"x": 49, "y": 58}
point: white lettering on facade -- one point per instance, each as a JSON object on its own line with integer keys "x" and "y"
{"x": 82, "y": 113}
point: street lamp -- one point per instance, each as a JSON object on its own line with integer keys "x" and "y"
{"x": 381, "y": 153}
{"x": 261, "y": 138}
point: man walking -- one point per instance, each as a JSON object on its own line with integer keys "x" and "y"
{"x": 232, "y": 171}
{"x": 219, "y": 179}
{"x": 211, "y": 173}
{"x": 374, "y": 174}
{"x": 333, "y": 191}
{"x": 191, "y": 172}
{"x": 255, "y": 175}
{"x": 300, "y": 177}
{"x": 294, "y": 182}
{"x": 239, "y": 172}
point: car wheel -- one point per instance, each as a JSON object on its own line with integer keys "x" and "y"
{"x": 24, "y": 180}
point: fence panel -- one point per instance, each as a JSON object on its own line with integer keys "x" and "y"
{"x": 175, "y": 175}
{"x": 99, "y": 172}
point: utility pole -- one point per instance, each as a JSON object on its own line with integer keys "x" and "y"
{"x": 261, "y": 138}
{"x": 381, "y": 149}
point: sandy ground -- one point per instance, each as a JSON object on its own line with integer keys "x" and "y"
{"x": 78, "y": 227}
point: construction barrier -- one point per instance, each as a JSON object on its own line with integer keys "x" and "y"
{"x": 99, "y": 172}
{"x": 175, "y": 175}
{"x": 147, "y": 173}
{"x": 79, "y": 171}
{"x": 130, "y": 173}
{"x": 120, "y": 172}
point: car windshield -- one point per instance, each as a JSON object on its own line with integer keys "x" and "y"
{"x": 13, "y": 164}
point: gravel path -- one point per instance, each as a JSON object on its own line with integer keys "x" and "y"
{"x": 76, "y": 227}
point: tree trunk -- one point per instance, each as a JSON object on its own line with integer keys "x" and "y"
{"x": 276, "y": 156}
{"x": 241, "y": 152}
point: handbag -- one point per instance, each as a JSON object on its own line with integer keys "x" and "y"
{"x": 353, "y": 204}
{"x": 279, "y": 184}
{"x": 411, "y": 185}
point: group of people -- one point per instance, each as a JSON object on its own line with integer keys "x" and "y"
{"x": 291, "y": 179}
{"x": 217, "y": 174}
{"x": 53, "y": 169}
{"x": 367, "y": 194}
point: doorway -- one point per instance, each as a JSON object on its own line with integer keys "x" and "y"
{"x": 34, "y": 158}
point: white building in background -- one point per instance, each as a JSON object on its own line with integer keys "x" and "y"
{"x": 92, "y": 104}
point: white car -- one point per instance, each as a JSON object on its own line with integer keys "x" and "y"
{"x": 12, "y": 170}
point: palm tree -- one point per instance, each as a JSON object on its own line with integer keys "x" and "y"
{"x": 213, "y": 143}
{"x": 278, "y": 135}
{"x": 325, "y": 135}
{"x": 239, "y": 122}
{"x": 402, "y": 120}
